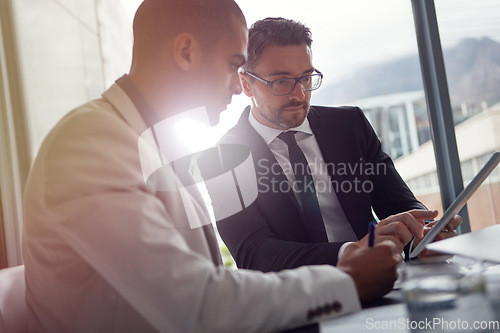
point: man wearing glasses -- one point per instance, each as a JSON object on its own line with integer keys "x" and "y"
{"x": 106, "y": 252}
{"x": 319, "y": 170}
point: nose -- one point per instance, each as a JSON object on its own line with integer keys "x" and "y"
{"x": 298, "y": 92}
{"x": 236, "y": 88}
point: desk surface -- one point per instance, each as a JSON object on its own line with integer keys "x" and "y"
{"x": 388, "y": 314}
{"x": 356, "y": 321}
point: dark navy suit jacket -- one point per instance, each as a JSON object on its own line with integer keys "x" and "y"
{"x": 271, "y": 233}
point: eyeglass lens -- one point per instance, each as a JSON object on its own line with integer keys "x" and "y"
{"x": 286, "y": 86}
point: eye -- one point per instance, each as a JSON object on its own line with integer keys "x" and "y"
{"x": 282, "y": 82}
{"x": 306, "y": 79}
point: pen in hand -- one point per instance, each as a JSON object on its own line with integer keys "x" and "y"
{"x": 371, "y": 234}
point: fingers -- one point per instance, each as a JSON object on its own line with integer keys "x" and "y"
{"x": 372, "y": 269}
{"x": 379, "y": 238}
{"x": 396, "y": 253}
{"x": 400, "y": 228}
{"x": 385, "y": 244}
{"x": 454, "y": 223}
{"x": 387, "y": 248}
{"x": 448, "y": 231}
{"x": 425, "y": 254}
{"x": 396, "y": 229}
{"x": 414, "y": 225}
{"x": 393, "y": 240}
{"x": 388, "y": 245}
{"x": 421, "y": 214}
{"x": 397, "y": 245}
{"x": 391, "y": 254}
{"x": 446, "y": 234}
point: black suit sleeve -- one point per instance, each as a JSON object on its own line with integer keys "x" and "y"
{"x": 253, "y": 244}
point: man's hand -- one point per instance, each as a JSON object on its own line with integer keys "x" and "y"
{"x": 447, "y": 232}
{"x": 372, "y": 269}
{"x": 400, "y": 228}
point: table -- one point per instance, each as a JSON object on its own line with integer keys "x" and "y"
{"x": 390, "y": 314}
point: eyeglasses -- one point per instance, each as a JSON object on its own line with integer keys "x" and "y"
{"x": 281, "y": 87}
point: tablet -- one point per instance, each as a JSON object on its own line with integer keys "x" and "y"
{"x": 457, "y": 204}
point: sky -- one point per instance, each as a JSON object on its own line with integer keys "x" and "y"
{"x": 351, "y": 34}
{"x": 371, "y": 31}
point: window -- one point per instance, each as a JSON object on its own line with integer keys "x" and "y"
{"x": 471, "y": 32}
{"x": 14, "y": 156}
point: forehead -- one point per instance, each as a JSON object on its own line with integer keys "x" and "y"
{"x": 235, "y": 40}
{"x": 293, "y": 59}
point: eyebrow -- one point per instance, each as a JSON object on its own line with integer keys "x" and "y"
{"x": 307, "y": 71}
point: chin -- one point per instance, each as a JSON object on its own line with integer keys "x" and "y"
{"x": 214, "y": 115}
{"x": 295, "y": 121}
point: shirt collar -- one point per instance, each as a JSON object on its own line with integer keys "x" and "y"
{"x": 269, "y": 134}
{"x": 145, "y": 110}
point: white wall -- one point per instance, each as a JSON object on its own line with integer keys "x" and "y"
{"x": 71, "y": 51}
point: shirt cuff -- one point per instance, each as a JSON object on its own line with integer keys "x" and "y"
{"x": 342, "y": 248}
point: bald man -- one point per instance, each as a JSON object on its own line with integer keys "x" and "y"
{"x": 106, "y": 251}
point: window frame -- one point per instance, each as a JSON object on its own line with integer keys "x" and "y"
{"x": 439, "y": 106}
{"x": 14, "y": 142}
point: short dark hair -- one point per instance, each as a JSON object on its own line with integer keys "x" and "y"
{"x": 158, "y": 21}
{"x": 274, "y": 31}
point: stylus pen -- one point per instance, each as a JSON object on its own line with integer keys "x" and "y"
{"x": 371, "y": 233}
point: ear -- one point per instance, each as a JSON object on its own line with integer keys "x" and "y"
{"x": 186, "y": 51}
{"x": 245, "y": 83}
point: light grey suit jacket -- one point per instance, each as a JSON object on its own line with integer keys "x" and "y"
{"x": 104, "y": 253}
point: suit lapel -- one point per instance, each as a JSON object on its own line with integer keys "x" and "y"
{"x": 200, "y": 239}
{"x": 266, "y": 164}
{"x": 328, "y": 141}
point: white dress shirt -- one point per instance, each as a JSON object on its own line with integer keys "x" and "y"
{"x": 337, "y": 226}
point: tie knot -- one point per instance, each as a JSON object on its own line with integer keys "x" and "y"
{"x": 289, "y": 138}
